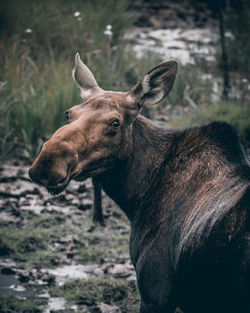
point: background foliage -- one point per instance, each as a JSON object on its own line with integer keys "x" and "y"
{"x": 37, "y": 51}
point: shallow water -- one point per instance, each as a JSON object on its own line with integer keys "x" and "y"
{"x": 9, "y": 284}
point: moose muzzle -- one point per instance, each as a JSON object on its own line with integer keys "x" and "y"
{"x": 58, "y": 159}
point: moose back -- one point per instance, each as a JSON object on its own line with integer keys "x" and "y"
{"x": 185, "y": 192}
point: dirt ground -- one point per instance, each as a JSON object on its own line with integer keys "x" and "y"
{"x": 52, "y": 256}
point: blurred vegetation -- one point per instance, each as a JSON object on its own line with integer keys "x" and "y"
{"x": 232, "y": 112}
{"x": 236, "y": 16}
{"x": 9, "y": 303}
{"x": 37, "y": 52}
{"x": 238, "y": 44}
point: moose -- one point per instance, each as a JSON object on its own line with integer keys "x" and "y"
{"x": 185, "y": 192}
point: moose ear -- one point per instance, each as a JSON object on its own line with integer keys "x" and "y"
{"x": 84, "y": 78}
{"x": 155, "y": 85}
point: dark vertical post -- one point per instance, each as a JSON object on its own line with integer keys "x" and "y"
{"x": 224, "y": 59}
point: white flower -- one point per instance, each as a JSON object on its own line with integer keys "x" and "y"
{"x": 28, "y": 30}
{"x": 108, "y": 31}
{"x": 76, "y": 14}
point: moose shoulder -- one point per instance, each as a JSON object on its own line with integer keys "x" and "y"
{"x": 186, "y": 193}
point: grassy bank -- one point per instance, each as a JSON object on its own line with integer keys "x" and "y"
{"x": 120, "y": 293}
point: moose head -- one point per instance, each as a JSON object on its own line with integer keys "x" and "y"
{"x": 98, "y": 132}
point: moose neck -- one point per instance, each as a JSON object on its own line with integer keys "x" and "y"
{"x": 131, "y": 181}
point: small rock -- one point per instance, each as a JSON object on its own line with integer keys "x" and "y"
{"x": 18, "y": 288}
{"x": 7, "y": 271}
{"x": 24, "y": 202}
{"x": 85, "y": 207}
{"x": 36, "y": 191}
{"x": 49, "y": 279}
{"x": 81, "y": 188}
{"x": 70, "y": 255}
{"x": 20, "y": 172}
{"x": 105, "y": 308}
{"x": 24, "y": 277}
{"x": 4, "y": 250}
{"x": 116, "y": 214}
{"x": 119, "y": 271}
{"x": 45, "y": 295}
{"x": 98, "y": 272}
{"x": 91, "y": 229}
{"x": 15, "y": 211}
{"x": 61, "y": 198}
{"x": 75, "y": 202}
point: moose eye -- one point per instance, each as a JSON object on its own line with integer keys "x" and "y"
{"x": 115, "y": 124}
{"x": 67, "y": 116}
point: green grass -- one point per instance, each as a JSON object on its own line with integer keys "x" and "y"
{"x": 36, "y": 86}
{"x": 10, "y": 304}
{"x": 103, "y": 245}
{"x": 30, "y": 242}
{"x": 121, "y": 293}
{"x": 32, "y": 103}
{"x": 232, "y": 112}
{"x": 110, "y": 241}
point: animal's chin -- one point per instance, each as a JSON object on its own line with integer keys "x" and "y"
{"x": 55, "y": 190}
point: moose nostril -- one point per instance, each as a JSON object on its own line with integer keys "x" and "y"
{"x": 36, "y": 177}
{"x": 67, "y": 116}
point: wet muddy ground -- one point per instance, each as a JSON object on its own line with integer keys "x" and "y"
{"x": 53, "y": 258}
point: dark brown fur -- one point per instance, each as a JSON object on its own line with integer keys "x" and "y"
{"x": 187, "y": 196}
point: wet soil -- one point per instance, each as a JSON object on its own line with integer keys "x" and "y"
{"x": 48, "y": 243}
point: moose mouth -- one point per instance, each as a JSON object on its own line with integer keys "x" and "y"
{"x": 55, "y": 190}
